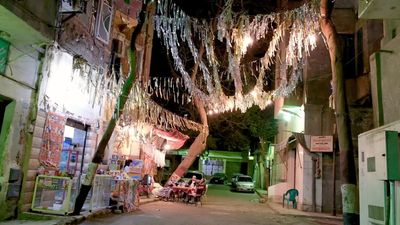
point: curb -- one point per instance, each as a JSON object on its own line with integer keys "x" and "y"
{"x": 74, "y": 220}
{"x": 264, "y": 197}
{"x": 313, "y": 216}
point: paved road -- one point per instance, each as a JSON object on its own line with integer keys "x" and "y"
{"x": 221, "y": 207}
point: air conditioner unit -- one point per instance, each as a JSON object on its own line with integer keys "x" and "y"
{"x": 71, "y": 6}
{"x": 104, "y": 20}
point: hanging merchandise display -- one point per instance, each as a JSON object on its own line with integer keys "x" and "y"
{"x": 53, "y": 137}
{"x": 237, "y": 30}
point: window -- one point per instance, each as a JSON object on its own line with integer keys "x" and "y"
{"x": 104, "y": 20}
{"x": 116, "y": 54}
{"x": 213, "y": 166}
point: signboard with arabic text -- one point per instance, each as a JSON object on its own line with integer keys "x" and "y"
{"x": 321, "y": 144}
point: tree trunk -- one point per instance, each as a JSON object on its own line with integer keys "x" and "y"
{"x": 347, "y": 164}
{"x": 197, "y": 146}
{"x": 151, "y": 8}
{"x": 199, "y": 143}
{"x": 123, "y": 97}
{"x": 263, "y": 154}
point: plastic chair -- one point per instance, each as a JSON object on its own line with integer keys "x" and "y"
{"x": 200, "y": 194}
{"x": 290, "y": 196}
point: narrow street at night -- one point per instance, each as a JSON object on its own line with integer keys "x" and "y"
{"x": 221, "y": 207}
{"x": 129, "y": 112}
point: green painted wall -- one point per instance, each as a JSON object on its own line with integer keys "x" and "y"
{"x": 4, "y": 139}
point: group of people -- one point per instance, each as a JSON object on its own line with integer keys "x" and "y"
{"x": 189, "y": 192}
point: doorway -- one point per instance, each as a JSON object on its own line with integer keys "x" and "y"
{"x": 74, "y": 148}
{"x": 7, "y": 107}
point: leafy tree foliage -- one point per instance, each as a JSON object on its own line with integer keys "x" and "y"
{"x": 241, "y": 131}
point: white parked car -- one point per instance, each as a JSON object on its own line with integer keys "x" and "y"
{"x": 244, "y": 183}
{"x": 234, "y": 178}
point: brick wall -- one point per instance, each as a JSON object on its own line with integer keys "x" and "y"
{"x": 33, "y": 161}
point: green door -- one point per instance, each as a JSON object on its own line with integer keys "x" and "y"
{"x": 4, "y": 133}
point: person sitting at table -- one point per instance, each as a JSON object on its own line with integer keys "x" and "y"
{"x": 192, "y": 189}
{"x": 193, "y": 181}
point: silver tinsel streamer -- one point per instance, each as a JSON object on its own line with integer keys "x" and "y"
{"x": 141, "y": 109}
{"x": 174, "y": 26}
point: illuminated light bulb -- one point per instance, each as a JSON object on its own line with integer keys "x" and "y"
{"x": 254, "y": 93}
{"x": 312, "y": 38}
{"x": 210, "y": 112}
{"x": 247, "y": 41}
{"x": 269, "y": 102}
{"x": 230, "y": 103}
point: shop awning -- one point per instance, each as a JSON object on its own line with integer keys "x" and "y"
{"x": 169, "y": 140}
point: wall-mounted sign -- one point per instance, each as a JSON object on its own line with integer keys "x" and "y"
{"x": 321, "y": 144}
{"x": 4, "y": 49}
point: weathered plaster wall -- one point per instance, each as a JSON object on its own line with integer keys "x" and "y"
{"x": 65, "y": 94}
{"x": 17, "y": 84}
{"x": 390, "y": 82}
{"x": 283, "y": 176}
{"x": 21, "y": 68}
{"x": 40, "y": 15}
{"x": 25, "y": 27}
{"x": 67, "y": 91}
{"x": 319, "y": 120}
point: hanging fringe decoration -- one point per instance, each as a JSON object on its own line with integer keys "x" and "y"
{"x": 174, "y": 26}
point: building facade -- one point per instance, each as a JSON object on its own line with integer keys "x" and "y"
{"x": 59, "y": 63}
{"x": 317, "y": 175}
{"x": 23, "y": 40}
